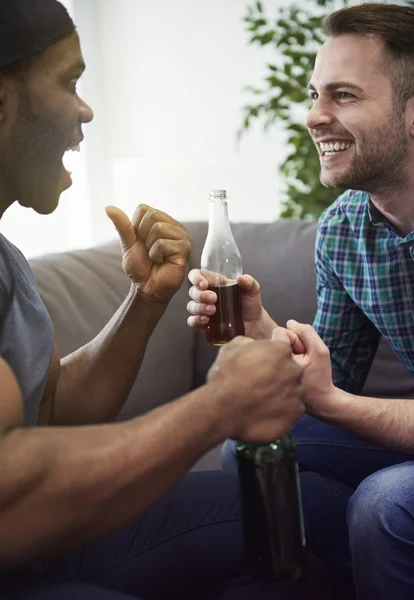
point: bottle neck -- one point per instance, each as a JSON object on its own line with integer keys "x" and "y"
{"x": 282, "y": 439}
{"x": 218, "y": 222}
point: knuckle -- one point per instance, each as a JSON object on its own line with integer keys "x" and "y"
{"x": 322, "y": 352}
{"x": 193, "y": 276}
{"x": 159, "y": 244}
{"x": 153, "y": 213}
{"x": 194, "y": 294}
{"x": 158, "y": 227}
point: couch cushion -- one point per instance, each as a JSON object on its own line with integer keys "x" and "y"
{"x": 280, "y": 256}
{"x": 83, "y": 289}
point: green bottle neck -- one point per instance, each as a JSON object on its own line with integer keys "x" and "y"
{"x": 283, "y": 439}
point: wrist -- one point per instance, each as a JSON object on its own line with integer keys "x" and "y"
{"x": 144, "y": 302}
{"x": 331, "y": 405}
{"x": 222, "y": 413}
{"x": 262, "y": 328}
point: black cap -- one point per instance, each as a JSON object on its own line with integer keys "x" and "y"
{"x": 30, "y": 26}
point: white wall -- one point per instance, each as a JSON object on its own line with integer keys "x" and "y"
{"x": 170, "y": 82}
{"x": 165, "y": 80}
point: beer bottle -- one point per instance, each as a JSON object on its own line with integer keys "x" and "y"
{"x": 221, "y": 265}
{"x": 271, "y": 509}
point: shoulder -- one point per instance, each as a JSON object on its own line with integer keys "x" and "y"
{"x": 344, "y": 221}
{"x": 345, "y": 213}
{"x": 14, "y": 271}
{"x": 6, "y": 269}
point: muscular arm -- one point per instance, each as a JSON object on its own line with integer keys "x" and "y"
{"x": 63, "y": 487}
{"x": 93, "y": 382}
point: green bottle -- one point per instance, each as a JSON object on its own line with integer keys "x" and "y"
{"x": 271, "y": 509}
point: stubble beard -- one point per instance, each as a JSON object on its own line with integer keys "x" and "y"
{"x": 380, "y": 165}
{"x": 37, "y": 178}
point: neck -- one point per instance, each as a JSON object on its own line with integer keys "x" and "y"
{"x": 397, "y": 207}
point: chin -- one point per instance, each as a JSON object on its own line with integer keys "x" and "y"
{"x": 44, "y": 203}
{"x": 329, "y": 180}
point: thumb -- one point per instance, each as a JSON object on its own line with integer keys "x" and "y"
{"x": 280, "y": 334}
{"x": 123, "y": 226}
{"x": 249, "y": 285}
{"x": 307, "y": 335}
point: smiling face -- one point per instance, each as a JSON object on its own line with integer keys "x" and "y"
{"x": 40, "y": 118}
{"x": 360, "y": 132}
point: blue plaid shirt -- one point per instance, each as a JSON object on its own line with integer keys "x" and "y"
{"x": 365, "y": 284}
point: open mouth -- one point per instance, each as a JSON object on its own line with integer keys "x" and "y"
{"x": 73, "y": 148}
{"x": 67, "y": 161}
{"x": 334, "y": 147}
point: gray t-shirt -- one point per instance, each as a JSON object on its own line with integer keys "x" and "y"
{"x": 26, "y": 333}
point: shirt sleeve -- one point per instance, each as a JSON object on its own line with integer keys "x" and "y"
{"x": 350, "y": 336}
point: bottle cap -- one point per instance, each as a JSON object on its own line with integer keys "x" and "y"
{"x": 218, "y": 194}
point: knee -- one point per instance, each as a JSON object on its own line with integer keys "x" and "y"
{"x": 383, "y": 506}
{"x": 228, "y": 456}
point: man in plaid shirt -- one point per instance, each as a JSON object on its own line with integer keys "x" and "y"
{"x": 357, "y": 457}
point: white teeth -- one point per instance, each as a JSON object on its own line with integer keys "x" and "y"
{"x": 75, "y": 148}
{"x": 332, "y": 147}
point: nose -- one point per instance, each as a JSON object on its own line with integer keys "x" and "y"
{"x": 319, "y": 114}
{"x": 85, "y": 112}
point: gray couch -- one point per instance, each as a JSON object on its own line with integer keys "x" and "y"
{"x": 82, "y": 289}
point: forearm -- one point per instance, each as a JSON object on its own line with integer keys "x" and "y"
{"x": 95, "y": 381}
{"x": 385, "y": 422}
{"x": 63, "y": 487}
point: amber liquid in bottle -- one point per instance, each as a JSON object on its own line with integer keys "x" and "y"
{"x": 227, "y": 321}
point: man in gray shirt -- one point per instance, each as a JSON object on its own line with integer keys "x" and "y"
{"x": 86, "y": 509}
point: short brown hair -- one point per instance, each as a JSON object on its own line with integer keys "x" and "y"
{"x": 391, "y": 23}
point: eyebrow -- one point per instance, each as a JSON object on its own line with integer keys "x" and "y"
{"x": 330, "y": 87}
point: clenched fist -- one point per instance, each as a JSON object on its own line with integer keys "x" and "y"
{"x": 262, "y": 389}
{"x": 155, "y": 250}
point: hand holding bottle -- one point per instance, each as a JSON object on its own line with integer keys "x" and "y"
{"x": 224, "y": 302}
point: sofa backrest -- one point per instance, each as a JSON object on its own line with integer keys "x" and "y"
{"x": 82, "y": 289}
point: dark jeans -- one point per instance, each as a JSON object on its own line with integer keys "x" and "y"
{"x": 189, "y": 545}
{"x": 358, "y": 502}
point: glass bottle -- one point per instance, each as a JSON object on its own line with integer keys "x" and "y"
{"x": 221, "y": 264}
{"x": 271, "y": 509}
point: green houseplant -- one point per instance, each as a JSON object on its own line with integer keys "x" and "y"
{"x": 296, "y": 34}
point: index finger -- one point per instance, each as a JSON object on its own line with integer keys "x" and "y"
{"x": 307, "y": 335}
{"x": 145, "y": 217}
{"x": 196, "y": 277}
